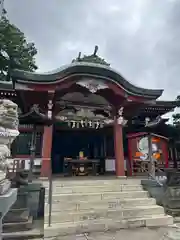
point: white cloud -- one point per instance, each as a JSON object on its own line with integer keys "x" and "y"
{"x": 139, "y": 38}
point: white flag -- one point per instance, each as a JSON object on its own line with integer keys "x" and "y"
{"x": 1, "y": 8}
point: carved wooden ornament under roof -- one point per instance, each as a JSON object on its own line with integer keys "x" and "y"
{"x": 84, "y": 117}
{"x": 92, "y": 85}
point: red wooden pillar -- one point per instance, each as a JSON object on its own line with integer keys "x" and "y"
{"x": 46, "y": 151}
{"x": 118, "y": 148}
{"x": 165, "y": 152}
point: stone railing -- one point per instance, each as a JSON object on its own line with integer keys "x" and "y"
{"x": 167, "y": 194}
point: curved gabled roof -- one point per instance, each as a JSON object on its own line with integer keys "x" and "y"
{"x": 84, "y": 69}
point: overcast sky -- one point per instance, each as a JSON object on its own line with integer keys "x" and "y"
{"x": 140, "y": 38}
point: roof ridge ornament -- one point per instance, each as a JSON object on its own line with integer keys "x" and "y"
{"x": 93, "y": 58}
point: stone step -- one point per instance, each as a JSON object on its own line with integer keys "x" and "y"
{"x": 97, "y": 188}
{"x": 102, "y": 204}
{"x": 34, "y": 233}
{"x": 93, "y": 182}
{"x": 115, "y": 214}
{"x": 18, "y": 226}
{"x": 17, "y": 215}
{"x": 102, "y": 225}
{"x": 97, "y": 196}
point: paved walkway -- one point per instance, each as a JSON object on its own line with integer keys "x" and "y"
{"x": 135, "y": 234}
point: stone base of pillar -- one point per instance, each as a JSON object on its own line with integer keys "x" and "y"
{"x": 121, "y": 177}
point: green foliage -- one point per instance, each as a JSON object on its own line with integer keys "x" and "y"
{"x": 178, "y": 98}
{"x": 176, "y": 117}
{"x": 176, "y": 120}
{"x": 15, "y": 51}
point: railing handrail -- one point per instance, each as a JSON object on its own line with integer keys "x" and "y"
{"x": 159, "y": 169}
{"x": 50, "y": 199}
{"x": 154, "y": 178}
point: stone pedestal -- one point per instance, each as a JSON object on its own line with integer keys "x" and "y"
{"x": 26, "y": 212}
{"x": 7, "y": 199}
{"x": 171, "y": 199}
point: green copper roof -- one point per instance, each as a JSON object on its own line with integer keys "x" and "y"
{"x": 83, "y": 69}
{"x": 4, "y": 85}
{"x": 91, "y": 66}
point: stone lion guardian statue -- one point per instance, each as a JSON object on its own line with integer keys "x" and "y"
{"x": 8, "y": 131}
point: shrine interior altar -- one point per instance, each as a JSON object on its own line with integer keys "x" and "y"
{"x": 81, "y": 166}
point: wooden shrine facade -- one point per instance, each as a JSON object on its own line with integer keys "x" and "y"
{"x": 87, "y": 93}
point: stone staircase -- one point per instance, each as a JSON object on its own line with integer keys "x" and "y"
{"x": 82, "y": 206}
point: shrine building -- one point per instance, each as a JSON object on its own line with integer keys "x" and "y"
{"x": 88, "y": 119}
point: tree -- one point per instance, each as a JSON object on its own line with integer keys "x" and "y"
{"x": 15, "y": 51}
{"x": 176, "y": 120}
{"x": 176, "y": 117}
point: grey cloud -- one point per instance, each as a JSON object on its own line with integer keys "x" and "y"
{"x": 139, "y": 38}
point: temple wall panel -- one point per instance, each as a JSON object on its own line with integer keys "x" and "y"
{"x": 21, "y": 145}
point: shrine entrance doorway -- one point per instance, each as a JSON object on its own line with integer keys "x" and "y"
{"x": 94, "y": 144}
